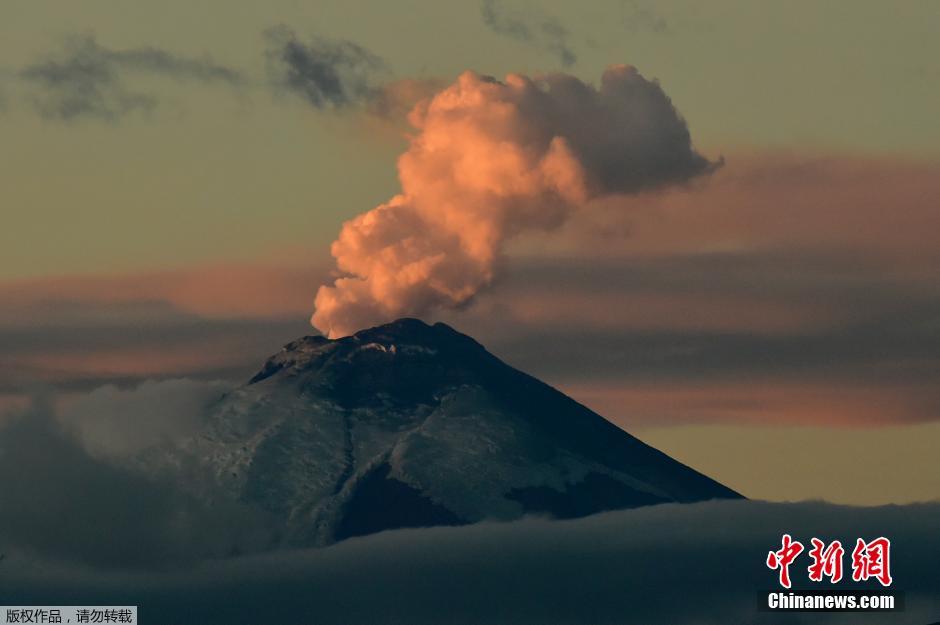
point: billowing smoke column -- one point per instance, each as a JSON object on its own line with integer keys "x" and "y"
{"x": 491, "y": 160}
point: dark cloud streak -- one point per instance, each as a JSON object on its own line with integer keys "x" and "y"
{"x": 34, "y": 356}
{"x": 88, "y": 80}
{"x": 878, "y": 321}
{"x": 538, "y": 29}
{"x": 327, "y": 73}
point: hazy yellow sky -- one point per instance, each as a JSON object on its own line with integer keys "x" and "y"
{"x": 234, "y": 172}
{"x": 841, "y": 465}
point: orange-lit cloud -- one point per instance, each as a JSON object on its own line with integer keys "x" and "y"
{"x": 225, "y": 290}
{"x": 147, "y": 362}
{"x": 492, "y": 160}
{"x": 616, "y": 309}
{"x": 217, "y": 320}
{"x": 772, "y": 400}
{"x": 882, "y": 209}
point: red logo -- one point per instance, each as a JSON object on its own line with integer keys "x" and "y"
{"x": 827, "y": 561}
{"x": 869, "y": 560}
{"x": 872, "y": 560}
{"x": 783, "y": 558}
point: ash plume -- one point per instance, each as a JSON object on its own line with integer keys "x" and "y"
{"x": 491, "y": 160}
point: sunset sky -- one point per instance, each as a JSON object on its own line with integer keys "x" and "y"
{"x": 171, "y": 191}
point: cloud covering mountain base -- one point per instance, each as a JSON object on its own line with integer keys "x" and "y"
{"x": 680, "y": 564}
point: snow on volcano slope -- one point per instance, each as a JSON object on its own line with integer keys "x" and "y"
{"x": 409, "y": 425}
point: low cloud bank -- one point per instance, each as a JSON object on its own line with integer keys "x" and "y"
{"x": 73, "y": 489}
{"x": 679, "y": 564}
{"x": 114, "y": 422}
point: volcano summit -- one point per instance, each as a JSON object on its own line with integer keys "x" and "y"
{"x": 411, "y": 425}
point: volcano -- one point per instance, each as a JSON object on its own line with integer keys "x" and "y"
{"x": 415, "y": 425}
